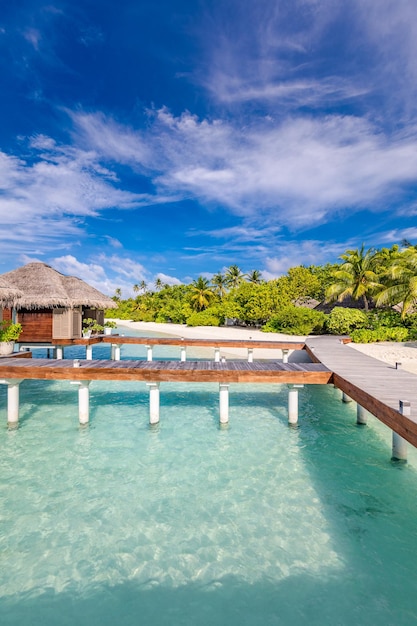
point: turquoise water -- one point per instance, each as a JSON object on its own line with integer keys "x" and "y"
{"x": 190, "y": 524}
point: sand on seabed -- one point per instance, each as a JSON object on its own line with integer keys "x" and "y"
{"x": 389, "y": 352}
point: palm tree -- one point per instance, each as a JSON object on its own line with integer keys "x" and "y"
{"x": 143, "y": 286}
{"x": 234, "y": 276}
{"x": 202, "y": 294}
{"x": 158, "y": 284}
{"x": 255, "y": 276}
{"x": 117, "y": 294}
{"x": 402, "y": 282}
{"x": 356, "y": 277}
{"x": 135, "y": 288}
{"x": 219, "y": 282}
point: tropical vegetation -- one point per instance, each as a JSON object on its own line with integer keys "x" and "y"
{"x": 370, "y": 295}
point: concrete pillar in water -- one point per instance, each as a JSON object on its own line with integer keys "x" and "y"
{"x": 59, "y": 352}
{"x": 117, "y": 351}
{"x": 12, "y": 399}
{"x": 112, "y": 351}
{"x": 345, "y": 397}
{"x": 149, "y": 354}
{"x": 153, "y": 402}
{"x": 217, "y": 355}
{"x": 89, "y": 353}
{"x": 224, "y": 403}
{"x": 183, "y": 356}
{"x": 292, "y": 405}
{"x": 250, "y": 355}
{"x": 361, "y": 415}
{"x": 84, "y": 401}
{"x": 399, "y": 445}
{"x": 285, "y": 356}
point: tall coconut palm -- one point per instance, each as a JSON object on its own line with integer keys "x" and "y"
{"x": 356, "y": 277}
{"x": 219, "y": 282}
{"x": 158, "y": 284}
{"x": 234, "y": 276}
{"x": 401, "y": 285}
{"x": 255, "y": 277}
{"x": 143, "y": 286}
{"x": 201, "y": 292}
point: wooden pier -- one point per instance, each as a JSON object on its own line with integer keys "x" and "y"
{"x": 388, "y": 393}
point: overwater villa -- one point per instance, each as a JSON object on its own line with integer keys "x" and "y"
{"x": 48, "y": 304}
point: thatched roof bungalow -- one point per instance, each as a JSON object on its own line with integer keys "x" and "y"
{"x": 51, "y": 305}
{"x": 8, "y": 294}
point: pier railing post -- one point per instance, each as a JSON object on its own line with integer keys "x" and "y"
{"x": 183, "y": 356}
{"x": 250, "y": 355}
{"x": 149, "y": 354}
{"x": 89, "y": 352}
{"x": 217, "y": 355}
{"x": 399, "y": 444}
{"x": 224, "y": 403}
{"x": 59, "y": 351}
{"x": 117, "y": 351}
{"x": 153, "y": 402}
{"x": 285, "y": 356}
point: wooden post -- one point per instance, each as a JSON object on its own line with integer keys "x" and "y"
{"x": 399, "y": 445}
{"x": 250, "y": 355}
{"x": 292, "y": 406}
{"x": 224, "y": 403}
{"x": 89, "y": 352}
{"x": 361, "y": 415}
{"x": 153, "y": 402}
{"x": 217, "y": 355}
{"x": 149, "y": 353}
{"x": 183, "y": 356}
{"x": 12, "y": 399}
{"x": 285, "y": 356}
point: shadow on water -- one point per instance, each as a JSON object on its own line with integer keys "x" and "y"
{"x": 296, "y": 601}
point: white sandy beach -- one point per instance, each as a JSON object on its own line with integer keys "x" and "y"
{"x": 389, "y": 352}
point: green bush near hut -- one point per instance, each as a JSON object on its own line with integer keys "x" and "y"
{"x": 10, "y": 331}
{"x": 295, "y": 320}
{"x": 342, "y": 321}
{"x": 366, "y": 335}
{"x": 203, "y": 318}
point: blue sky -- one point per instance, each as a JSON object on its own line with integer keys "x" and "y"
{"x": 145, "y": 139}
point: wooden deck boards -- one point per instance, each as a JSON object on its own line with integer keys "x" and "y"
{"x": 377, "y": 386}
{"x": 159, "y": 371}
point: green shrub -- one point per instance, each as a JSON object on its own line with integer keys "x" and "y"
{"x": 384, "y": 318}
{"x": 294, "y": 320}
{"x": 342, "y": 321}
{"x": 203, "y": 318}
{"x": 10, "y": 331}
{"x": 366, "y": 335}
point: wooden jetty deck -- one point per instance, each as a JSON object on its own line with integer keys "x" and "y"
{"x": 376, "y": 386}
{"x": 166, "y": 371}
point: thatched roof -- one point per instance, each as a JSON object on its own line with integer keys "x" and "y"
{"x": 8, "y": 294}
{"x": 43, "y": 287}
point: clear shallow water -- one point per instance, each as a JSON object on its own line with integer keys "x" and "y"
{"x": 188, "y": 524}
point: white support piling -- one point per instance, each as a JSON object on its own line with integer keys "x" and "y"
{"x": 117, "y": 351}
{"x": 399, "y": 444}
{"x": 361, "y": 415}
{"x": 217, "y": 355}
{"x": 250, "y": 355}
{"x": 285, "y": 356}
{"x": 153, "y": 402}
{"x": 292, "y": 406}
{"x": 12, "y": 399}
{"x": 89, "y": 353}
{"x": 224, "y": 403}
{"x": 149, "y": 354}
{"x": 183, "y": 356}
{"x": 345, "y": 397}
{"x": 112, "y": 351}
{"x": 59, "y": 352}
{"x": 84, "y": 401}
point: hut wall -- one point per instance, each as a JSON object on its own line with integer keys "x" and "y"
{"x": 66, "y": 323}
{"x": 7, "y": 315}
{"x": 37, "y": 325}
